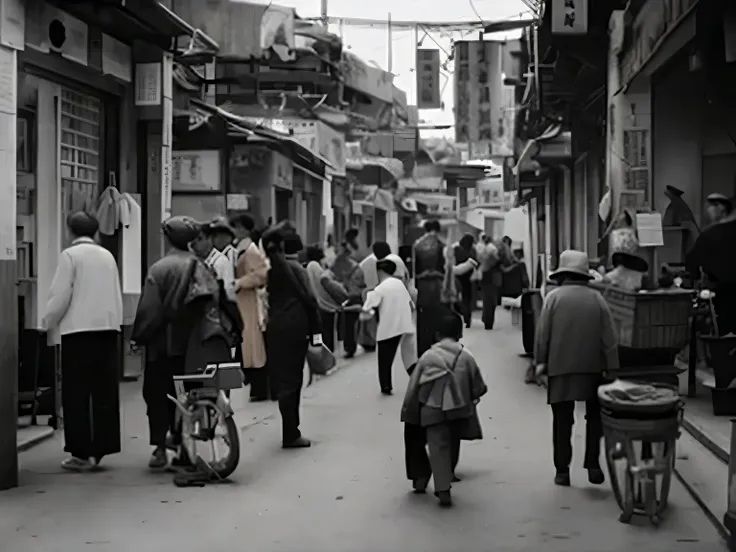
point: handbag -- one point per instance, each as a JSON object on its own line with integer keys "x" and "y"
{"x": 320, "y": 360}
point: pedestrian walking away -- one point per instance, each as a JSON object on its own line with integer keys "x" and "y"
{"x": 575, "y": 344}
{"x": 429, "y": 269}
{"x": 168, "y": 311}
{"x": 293, "y": 321}
{"x": 84, "y": 314}
{"x": 349, "y": 274}
{"x": 395, "y": 322}
{"x": 464, "y": 252}
{"x": 251, "y": 275}
{"x": 441, "y": 400}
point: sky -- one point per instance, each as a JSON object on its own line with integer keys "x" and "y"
{"x": 371, "y": 44}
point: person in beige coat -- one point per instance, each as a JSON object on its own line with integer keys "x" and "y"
{"x": 251, "y": 273}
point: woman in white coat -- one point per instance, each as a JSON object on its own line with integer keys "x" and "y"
{"x": 395, "y": 321}
{"x": 85, "y": 307}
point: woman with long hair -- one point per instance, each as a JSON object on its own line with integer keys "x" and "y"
{"x": 293, "y": 322}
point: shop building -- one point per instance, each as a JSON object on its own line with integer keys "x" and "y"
{"x": 71, "y": 120}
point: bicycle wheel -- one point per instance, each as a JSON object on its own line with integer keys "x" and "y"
{"x": 203, "y": 446}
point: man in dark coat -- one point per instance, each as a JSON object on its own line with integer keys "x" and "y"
{"x": 575, "y": 343}
{"x": 163, "y": 324}
{"x": 464, "y": 251}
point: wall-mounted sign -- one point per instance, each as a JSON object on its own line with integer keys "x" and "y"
{"x": 282, "y": 171}
{"x": 116, "y": 59}
{"x": 12, "y": 23}
{"x": 569, "y": 16}
{"x": 656, "y": 19}
{"x": 196, "y": 171}
{"x": 51, "y": 29}
{"x": 428, "y": 79}
{"x": 237, "y": 202}
{"x": 147, "y": 84}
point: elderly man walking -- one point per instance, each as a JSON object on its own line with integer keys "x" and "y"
{"x": 575, "y": 343}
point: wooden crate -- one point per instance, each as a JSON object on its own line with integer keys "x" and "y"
{"x": 649, "y": 320}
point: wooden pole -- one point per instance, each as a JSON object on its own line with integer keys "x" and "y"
{"x": 8, "y": 288}
{"x": 390, "y": 46}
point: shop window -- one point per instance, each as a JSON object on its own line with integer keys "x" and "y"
{"x": 636, "y": 155}
{"x": 80, "y": 152}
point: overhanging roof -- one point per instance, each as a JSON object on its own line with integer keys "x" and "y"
{"x": 145, "y": 20}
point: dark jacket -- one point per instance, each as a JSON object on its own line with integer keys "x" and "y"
{"x": 178, "y": 292}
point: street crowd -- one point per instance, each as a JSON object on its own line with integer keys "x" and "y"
{"x": 277, "y": 300}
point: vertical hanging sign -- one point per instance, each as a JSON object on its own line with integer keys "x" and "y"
{"x": 167, "y": 140}
{"x": 569, "y": 16}
{"x": 428, "y": 79}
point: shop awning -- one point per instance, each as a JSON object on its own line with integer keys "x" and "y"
{"x": 356, "y": 160}
{"x": 371, "y": 196}
{"x": 241, "y": 125}
{"x": 145, "y": 20}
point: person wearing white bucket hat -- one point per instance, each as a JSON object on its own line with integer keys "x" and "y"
{"x": 574, "y": 344}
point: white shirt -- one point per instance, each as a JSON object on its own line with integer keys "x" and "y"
{"x": 232, "y": 255}
{"x": 370, "y": 273}
{"x": 393, "y": 302}
{"x": 223, "y": 270}
{"x": 85, "y": 293}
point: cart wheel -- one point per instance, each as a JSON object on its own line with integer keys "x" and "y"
{"x": 664, "y": 492}
{"x": 628, "y": 499}
{"x": 613, "y": 473}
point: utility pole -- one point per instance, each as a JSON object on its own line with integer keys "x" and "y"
{"x": 323, "y": 13}
{"x": 390, "y": 46}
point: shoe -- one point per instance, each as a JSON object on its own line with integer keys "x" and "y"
{"x": 596, "y": 476}
{"x": 301, "y": 442}
{"x": 445, "y": 498}
{"x": 76, "y": 464}
{"x": 387, "y": 392}
{"x": 562, "y": 479}
{"x": 258, "y": 399}
{"x": 158, "y": 459}
{"x": 420, "y": 485}
{"x": 348, "y": 356}
{"x": 456, "y": 479}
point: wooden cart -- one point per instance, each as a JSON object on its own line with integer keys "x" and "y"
{"x": 652, "y": 327}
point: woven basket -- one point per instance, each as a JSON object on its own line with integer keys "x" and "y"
{"x": 649, "y": 320}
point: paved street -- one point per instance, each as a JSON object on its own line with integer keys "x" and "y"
{"x": 347, "y": 493}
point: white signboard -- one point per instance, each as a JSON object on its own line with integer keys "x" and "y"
{"x": 148, "y": 84}
{"x": 12, "y": 23}
{"x": 569, "y": 16}
{"x": 166, "y": 134}
{"x": 116, "y": 59}
{"x": 196, "y": 171}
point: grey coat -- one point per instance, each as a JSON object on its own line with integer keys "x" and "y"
{"x": 575, "y": 339}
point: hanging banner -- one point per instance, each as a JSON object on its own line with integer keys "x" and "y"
{"x": 428, "y": 79}
{"x": 569, "y": 16}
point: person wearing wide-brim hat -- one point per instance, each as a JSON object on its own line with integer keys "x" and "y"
{"x": 629, "y": 267}
{"x": 574, "y": 344}
{"x": 718, "y": 206}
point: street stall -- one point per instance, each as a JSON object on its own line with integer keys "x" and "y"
{"x": 641, "y": 411}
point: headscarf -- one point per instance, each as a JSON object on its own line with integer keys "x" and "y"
{"x": 181, "y": 231}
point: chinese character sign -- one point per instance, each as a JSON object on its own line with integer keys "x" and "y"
{"x": 428, "y": 79}
{"x": 570, "y": 16}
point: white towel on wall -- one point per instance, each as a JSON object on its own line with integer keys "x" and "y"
{"x": 132, "y": 246}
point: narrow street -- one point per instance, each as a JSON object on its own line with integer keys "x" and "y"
{"x": 348, "y": 492}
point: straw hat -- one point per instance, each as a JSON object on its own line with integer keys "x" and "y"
{"x": 573, "y": 262}
{"x": 625, "y": 250}
{"x": 721, "y": 199}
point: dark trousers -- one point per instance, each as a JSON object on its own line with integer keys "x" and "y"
{"x": 327, "y": 320}
{"x": 444, "y": 453}
{"x": 260, "y": 384}
{"x": 158, "y": 382}
{"x": 386, "y": 353}
{"x": 349, "y": 331}
{"x": 90, "y": 394}
{"x": 490, "y": 302}
{"x": 465, "y": 307}
{"x": 563, "y": 416}
{"x": 289, "y": 409}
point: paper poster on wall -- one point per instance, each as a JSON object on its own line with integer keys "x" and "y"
{"x": 148, "y": 84}
{"x": 8, "y": 191}
{"x": 649, "y": 229}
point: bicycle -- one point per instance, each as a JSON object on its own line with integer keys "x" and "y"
{"x": 202, "y": 410}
